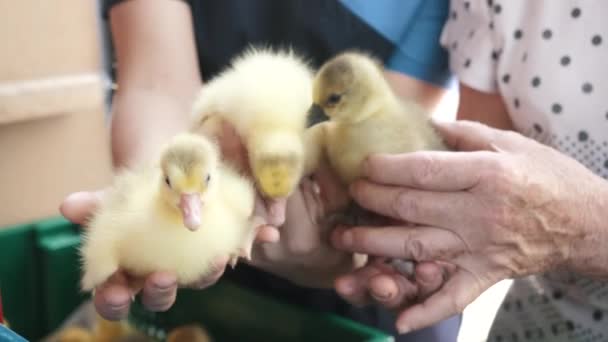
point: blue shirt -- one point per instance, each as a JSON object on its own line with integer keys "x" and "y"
{"x": 414, "y": 28}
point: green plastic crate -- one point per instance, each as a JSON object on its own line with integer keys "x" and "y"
{"x": 39, "y": 277}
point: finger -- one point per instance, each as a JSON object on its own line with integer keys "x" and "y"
{"x": 392, "y": 290}
{"x": 159, "y": 291}
{"x": 78, "y": 206}
{"x": 333, "y": 193}
{"x": 457, "y": 293}
{"x": 268, "y": 234}
{"x": 113, "y": 299}
{"x": 462, "y": 135}
{"x": 419, "y": 243}
{"x": 311, "y": 197}
{"x": 429, "y": 277}
{"x": 428, "y": 170}
{"x": 263, "y": 231}
{"x": 301, "y": 234}
{"x": 440, "y": 209}
{"x": 353, "y": 286}
{"x": 276, "y": 211}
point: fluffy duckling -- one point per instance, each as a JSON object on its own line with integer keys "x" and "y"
{"x": 177, "y": 215}
{"x": 365, "y": 117}
{"x": 265, "y": 95}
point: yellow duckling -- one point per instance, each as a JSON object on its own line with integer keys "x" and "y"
{"x": 177, "y": 215}
{"x": 265, "y": 95}
{"x": 366, "y": 117}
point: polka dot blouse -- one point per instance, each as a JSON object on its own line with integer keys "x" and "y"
{"x": 549, "y": 61}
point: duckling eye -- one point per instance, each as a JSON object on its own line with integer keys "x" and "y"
{"x": 333, "y": 99}
{"x": 167, "y": 181}
{"x": 208, "y": 178}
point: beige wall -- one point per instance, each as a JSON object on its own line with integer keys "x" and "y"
{"x": 53, "y": 139}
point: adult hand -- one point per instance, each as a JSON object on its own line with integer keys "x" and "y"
{"x": 112, "y": 299}
{"x": 501, "y": 206}
{"x": 379, "y": 282}
{"x": 303, "y": 254}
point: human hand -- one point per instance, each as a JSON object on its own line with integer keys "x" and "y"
{"x": 502, "y": 206}
{"x": 113, "y": 298}
{"x": 303, "y": 255}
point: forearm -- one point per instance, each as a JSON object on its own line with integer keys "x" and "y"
{"x": 142, "y": 120}
{"x": 407, "y": 87}
{"x": 157, "y": 75}
{"x": 487, "y": 108}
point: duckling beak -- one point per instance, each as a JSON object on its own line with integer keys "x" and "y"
{"x": 190, "y": 206}
{"x": 316, "y": 114}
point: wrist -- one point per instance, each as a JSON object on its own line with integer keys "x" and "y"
{"x": 590, "y": 253}
{"x": 142, "y": 121}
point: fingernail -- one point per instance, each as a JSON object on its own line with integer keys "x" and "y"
{"x": 77, "y": 196}
{"x": 403, "y": 329}
{"x": 163, "y": 283}
{"x": 116, "y": 307}
{"x": 382, "y": 296}
{"x": 347, "y": 239}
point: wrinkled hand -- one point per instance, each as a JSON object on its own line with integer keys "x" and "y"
{"x": 378, "y": 282}
{"x": 503, "y": 206}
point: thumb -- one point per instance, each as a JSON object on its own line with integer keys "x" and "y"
{"x": 78, "y": 206}
{"x": 462, "y": 135}
{"x": 333, "y": 193}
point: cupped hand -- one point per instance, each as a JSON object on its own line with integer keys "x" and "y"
{"x": 499, "y": 206}
{"x": 304, "y": 254}
{"x": 113, "y": 298}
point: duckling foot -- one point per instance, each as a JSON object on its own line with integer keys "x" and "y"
{"x": 404, "y": 267}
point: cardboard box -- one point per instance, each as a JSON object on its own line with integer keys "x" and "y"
{"x": 53, "y": 138}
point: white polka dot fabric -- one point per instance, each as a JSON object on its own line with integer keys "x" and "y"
{"x": 549, "y": 61}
